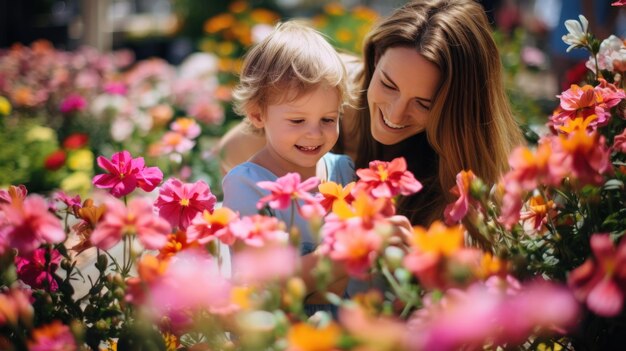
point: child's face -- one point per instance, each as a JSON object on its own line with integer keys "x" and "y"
{"x": 301, "y": 131}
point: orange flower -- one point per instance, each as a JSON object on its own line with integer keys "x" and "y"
{"x": 264, "y": 16}
{"x": 176, "y": 242}
{"x": 334, "y": 192}
{"x": 438, "y": 239}
{"x": 305, "y": 337}
{"x": 219, "y": 22}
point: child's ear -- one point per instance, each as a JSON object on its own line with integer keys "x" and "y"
{"x": 255, "y": 117}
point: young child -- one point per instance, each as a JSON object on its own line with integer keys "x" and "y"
{"x": 292, "y": 88}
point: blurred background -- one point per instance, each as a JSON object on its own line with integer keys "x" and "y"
{"x": 82, "y": 78}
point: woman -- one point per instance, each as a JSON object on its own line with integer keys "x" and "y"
{"x": 431, "y": 91}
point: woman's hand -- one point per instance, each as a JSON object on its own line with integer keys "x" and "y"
{"x": 402, "y": 231}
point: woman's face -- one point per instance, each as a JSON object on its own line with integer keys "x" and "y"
{"x": 400, "y": 94}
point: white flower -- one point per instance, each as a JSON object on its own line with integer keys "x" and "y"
{"x": 611, "y": 56}
{"x": 577, "y": 36}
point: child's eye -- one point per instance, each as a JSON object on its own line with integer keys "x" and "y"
{"x": 296, "y": 121}
{"x": 329, "y": 120}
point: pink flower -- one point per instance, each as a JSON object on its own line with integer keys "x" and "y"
{"x": 13, "y": 193}
{"x": 52, "y": 337}
{"x": 600, "y": 283}
{"x": 32, "y": 269}
{"x": 126, "y": 173}
{"x": 207, "y": 226}
{"x": 27, "y": 224}
{"x": 619, "y": 142}
{"x": 287, "y": 188}
{"x": 73, "y": 103}
{"x": 619, "y": 3}
{"x": 510, "y": 210}
{"x": 456, "y": 211}
{"x": 585, "y": 154}
{"x": 175, "y": 142}
{"x": 356, "y": 247}
{"x": 188, "y": 127}
{"x": 259, "y": 230}
{"x": 16, "y": 306}
{"x": 138, "y": 218}
{"x": 585, "y": 101}
{"x": 279, "y": 262}
{"x": 192, "y": 282}
{"x": 180, "y": 202}
{"x": 387, "y": 179}
{"x": 466, "y": 319}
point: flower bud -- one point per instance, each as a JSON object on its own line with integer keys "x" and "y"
{"x": 393, "y": 257}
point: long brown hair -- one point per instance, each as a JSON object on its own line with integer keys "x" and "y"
{"x": 470, "y": 123}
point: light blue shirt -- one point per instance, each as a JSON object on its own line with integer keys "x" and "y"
{"x": 241, "y": 193}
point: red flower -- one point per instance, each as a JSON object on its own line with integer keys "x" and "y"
{"x": 75, "y": 141}
{"x": 387, "y": 179}
{"x": 55, "y": 160}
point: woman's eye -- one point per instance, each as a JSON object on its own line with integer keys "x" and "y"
{"x": 422, "y": 106}
{"x": 388, "y": 86}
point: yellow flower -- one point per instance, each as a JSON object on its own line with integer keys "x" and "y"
{"x": 305, "y": 337}
{"x": 80, "y": 160}
{"x": 39, "y": 133}
{"x": 77, "y": 182}
{"x": 438, "y": 239}
{"x": 5, "y": 106}
{"x": 242, "y": 296}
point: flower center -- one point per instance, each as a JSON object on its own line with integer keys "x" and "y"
{"x": 382, "y": 172}
{"x": 184, "y": 202}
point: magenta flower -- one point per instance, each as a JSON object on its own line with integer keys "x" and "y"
{"x": 180, "y": 202}
{"x": 27, "y": 224}
{"x": 126, "y": 174}
{"x": 73, "y": 103}
{"x": 619, "y": 3}
{"x": 33, "y": 271}
{"x": 138, "y": 218}
{"x": 387, "y": 179}
{"x": 601, "y": 282}
{"x": 287, "y": 188}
